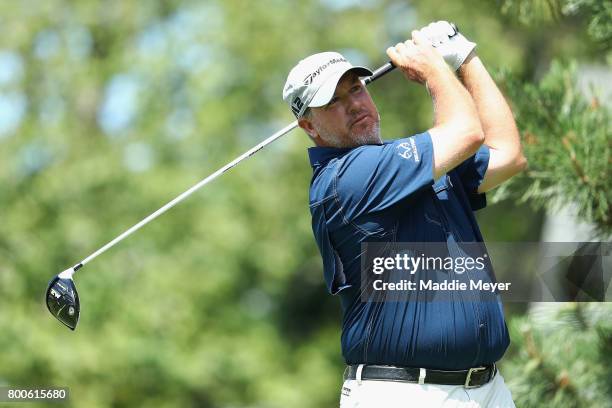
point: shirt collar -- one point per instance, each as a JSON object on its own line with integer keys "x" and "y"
{"x": 319, "y": 156}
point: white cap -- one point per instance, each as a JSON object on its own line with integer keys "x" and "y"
{"x": 312, "y": 82}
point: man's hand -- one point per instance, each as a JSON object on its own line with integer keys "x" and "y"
{"x": 451, "y": 44}
{"x": 456, "y": 134}
{"x": 417, "y": 58}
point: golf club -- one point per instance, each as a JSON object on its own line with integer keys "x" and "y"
{"x": 62, "y": 298}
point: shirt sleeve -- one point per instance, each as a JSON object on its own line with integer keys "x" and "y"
{"x": 471, "y": 173}
{"x": 374, "y": 177}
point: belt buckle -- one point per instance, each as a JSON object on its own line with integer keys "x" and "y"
{"x": 469, "y": 377}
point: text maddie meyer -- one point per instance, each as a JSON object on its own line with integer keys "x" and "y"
{"x": 446, "y": 285}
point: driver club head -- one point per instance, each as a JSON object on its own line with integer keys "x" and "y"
{"x": 63, "y": 300}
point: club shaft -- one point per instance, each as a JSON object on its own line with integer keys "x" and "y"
{"x": 192, "y": 190}
{"x": 388, "y": 67}
{"x": 385, "y": 69}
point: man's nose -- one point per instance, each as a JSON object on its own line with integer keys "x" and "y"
{"x": 353, "y": 104}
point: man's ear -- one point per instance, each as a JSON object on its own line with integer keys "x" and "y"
{"x": 306, "y": 124}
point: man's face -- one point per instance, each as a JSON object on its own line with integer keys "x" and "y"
{"x": 350, "y": 118}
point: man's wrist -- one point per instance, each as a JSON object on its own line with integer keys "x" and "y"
{"x": 467, "y": 61}
{"x": 440, "y": 69}
{"x": 470, "y": 67}
{"x": 439, "y": 75}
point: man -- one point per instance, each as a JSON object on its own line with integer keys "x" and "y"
{"x": 418, "y": 189}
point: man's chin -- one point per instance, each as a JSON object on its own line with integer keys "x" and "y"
{"x": 369, "y": 137}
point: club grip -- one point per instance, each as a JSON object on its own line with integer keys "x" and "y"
{"x": 385, "y": 69}
{"x": 388, "y": 67}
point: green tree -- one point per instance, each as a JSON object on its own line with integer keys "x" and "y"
{"x": 564, "y": 358}
{"x": 566, "y": 136}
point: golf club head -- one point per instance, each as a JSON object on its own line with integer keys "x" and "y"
{"x": 63, "y": 300}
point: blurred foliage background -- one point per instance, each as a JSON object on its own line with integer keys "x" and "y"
{"x": 108, "y": 109}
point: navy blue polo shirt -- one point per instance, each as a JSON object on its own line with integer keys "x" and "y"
{"x": 386, "y": 193}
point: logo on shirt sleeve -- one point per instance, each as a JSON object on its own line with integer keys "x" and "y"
{"x": 408, "y": 150}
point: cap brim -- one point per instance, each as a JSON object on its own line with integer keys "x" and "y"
{"x": 326, "y": 91}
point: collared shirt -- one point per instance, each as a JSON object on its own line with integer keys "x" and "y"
{"x": 386, "y": 193}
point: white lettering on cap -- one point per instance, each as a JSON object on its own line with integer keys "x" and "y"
{"x": 310, "y": 77}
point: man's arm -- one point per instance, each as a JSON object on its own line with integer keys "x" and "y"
{"x": 500, "y": 132}
{"x": 457, "y": 132}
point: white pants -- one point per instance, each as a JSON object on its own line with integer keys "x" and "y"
{"x": 393, "y": 394}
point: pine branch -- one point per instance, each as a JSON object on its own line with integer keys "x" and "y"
{"x": 572, "y": 154}
{"x": 567, "y": 142}
{"x": 564, "y": 356}
{"x": 560, "y": 381}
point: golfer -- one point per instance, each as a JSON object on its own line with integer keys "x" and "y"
{"x": 423, "y": 188}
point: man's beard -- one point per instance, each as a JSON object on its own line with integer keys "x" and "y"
{"x": 368, "y": 136}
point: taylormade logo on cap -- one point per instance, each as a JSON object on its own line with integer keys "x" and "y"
{"x": 312, "y": 82}
{"x": 311, "y": 76}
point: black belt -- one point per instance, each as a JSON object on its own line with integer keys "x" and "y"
{"x": 474, "y": 377}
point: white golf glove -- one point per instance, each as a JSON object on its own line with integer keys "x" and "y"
{"x": 450, "y": 43}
